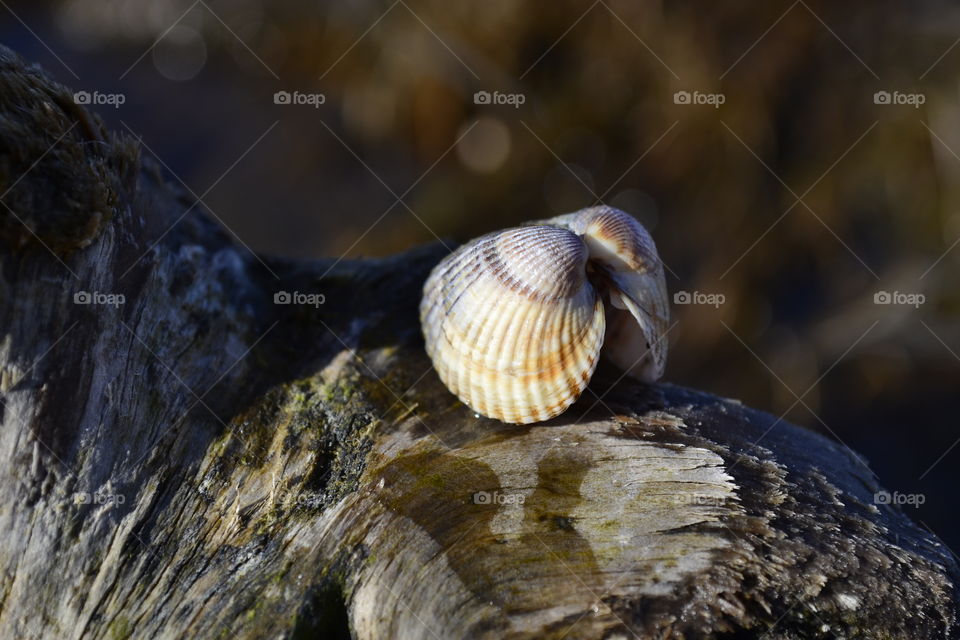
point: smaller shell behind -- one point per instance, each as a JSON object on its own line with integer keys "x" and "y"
{"x": 512, "y": 325}
{"x": 638, "y": 313}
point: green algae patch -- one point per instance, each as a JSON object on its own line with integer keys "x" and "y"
{"x": 120, "y": 628}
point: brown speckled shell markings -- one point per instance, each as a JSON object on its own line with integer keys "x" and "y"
{"x": 515, "y": 320}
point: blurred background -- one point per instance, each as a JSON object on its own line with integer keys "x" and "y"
{"x": 797, "y": 164}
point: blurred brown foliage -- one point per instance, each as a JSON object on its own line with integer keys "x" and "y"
{"x": 799, "y": 198}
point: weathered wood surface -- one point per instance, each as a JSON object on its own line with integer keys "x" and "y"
{"x": 201, "y": 462}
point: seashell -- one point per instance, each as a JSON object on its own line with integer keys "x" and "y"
{"x": 515, "y": 321}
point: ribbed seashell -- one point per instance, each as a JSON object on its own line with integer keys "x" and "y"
{"x": 515, "y": 320}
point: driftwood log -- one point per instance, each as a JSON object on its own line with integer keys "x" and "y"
{"x": 186, "y": 456}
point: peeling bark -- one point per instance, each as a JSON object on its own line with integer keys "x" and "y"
{"x": 198, "y": 461}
